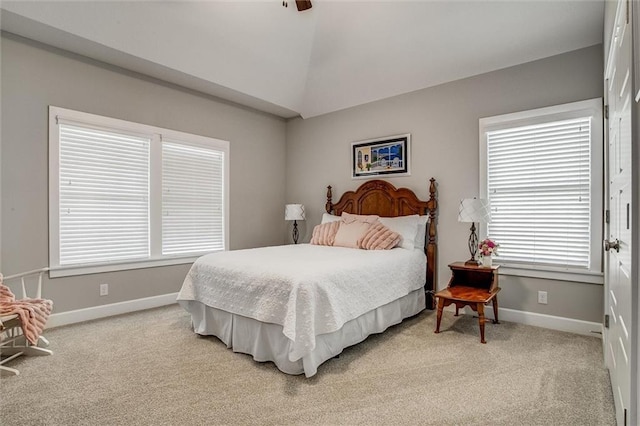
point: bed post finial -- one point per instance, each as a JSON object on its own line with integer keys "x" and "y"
{"x": 328, "y": 207}
{"x": 432, "y": 188}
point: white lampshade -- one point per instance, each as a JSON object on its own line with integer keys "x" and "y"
{"x": 474, "y": 210}
{"x": 294, "y": 212}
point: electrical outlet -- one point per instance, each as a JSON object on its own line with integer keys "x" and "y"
{"x": 104, "y": 289}
{"x": 542, "y": 297}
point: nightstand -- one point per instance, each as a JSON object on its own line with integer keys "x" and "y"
{"x": 472, "y": 286}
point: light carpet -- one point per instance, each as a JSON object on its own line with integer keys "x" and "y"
{"x": 149, "y": 368}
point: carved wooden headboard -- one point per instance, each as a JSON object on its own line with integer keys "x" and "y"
{"x": 381, "y": 198}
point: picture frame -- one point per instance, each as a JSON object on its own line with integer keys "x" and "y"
{"x": 388, "y": 156}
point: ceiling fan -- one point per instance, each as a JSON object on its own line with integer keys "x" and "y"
{"x": 300, "y": 4}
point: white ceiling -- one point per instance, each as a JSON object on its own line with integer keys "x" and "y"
{"x": 336, "y": 55}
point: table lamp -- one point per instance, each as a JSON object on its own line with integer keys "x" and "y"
{"x": 294, "y": 212}
{"x": 474, "y": 210}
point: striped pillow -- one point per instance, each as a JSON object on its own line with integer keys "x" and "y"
{"x": 379, "y": 237}
{"x": 325, "y": 233}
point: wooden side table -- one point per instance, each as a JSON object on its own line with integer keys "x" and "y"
{"x": 472, "y": 286}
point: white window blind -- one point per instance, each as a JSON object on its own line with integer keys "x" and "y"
{"x": 192, "y": 198}
{"x": 103, "y": 195}
{"x": 125, "y": 195}
{"x": 539, "y": 185}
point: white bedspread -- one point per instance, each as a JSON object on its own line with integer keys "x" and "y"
{"x": 307, "y": 289}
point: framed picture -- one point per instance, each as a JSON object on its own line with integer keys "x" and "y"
{"x": 381, "y": 157}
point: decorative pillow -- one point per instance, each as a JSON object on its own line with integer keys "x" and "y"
{"x": 406, "y": 226}
{"x": 379, "y": 237}
{"x": 324, "y": 234}
{"x": 367, "y": 218}
{"x": 326, "y": 218}
{"x": 350, "y": 233}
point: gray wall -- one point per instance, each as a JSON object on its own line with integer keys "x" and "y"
{"x": 34, "y": 77}
{"x": 443, "y": 122}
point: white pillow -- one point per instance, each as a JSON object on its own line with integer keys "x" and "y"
{"x": 421, "y": 235}
{"x": 406, "y": 226}
{"x": 326, "y": 218}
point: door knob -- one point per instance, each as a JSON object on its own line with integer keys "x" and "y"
{"x": 612, "y": 245}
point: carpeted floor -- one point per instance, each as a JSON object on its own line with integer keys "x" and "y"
{"x": 149, "y": 368}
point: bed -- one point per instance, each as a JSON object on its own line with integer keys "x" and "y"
{"x": 301, "y": 305}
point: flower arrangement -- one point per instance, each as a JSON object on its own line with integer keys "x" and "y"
{"x": 488, "y": 247}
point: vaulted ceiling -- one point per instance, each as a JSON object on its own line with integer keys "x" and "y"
{"x": 336, "y": 55}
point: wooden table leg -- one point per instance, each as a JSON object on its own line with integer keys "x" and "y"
{"x": 495, "y": 309}
{"x": 481, "y": 320}
{"x": 439, "y": 316}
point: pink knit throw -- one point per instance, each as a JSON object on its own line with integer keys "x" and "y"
{"x": 33, "y": 313}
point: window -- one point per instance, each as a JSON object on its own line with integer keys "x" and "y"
{"x": 192, "y": 219}
{"x": 542, "y": 172}
{"x": 124, "y": 195}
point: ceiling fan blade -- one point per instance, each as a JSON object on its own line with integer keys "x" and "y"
{"x": 303, "y": 5}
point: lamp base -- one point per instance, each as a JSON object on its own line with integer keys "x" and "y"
{"x": 295, "y": 232}
{"x": 473, "y": 246}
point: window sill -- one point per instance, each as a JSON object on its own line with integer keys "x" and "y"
{"x": 67, "y": 271}
{"x": 553, "y": 274}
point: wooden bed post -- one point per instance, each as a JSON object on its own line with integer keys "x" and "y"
{"x": 328, "y": 207}
{"x": 431, "y": 247}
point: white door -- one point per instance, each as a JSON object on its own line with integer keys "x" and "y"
{"x": 617, "y": 338}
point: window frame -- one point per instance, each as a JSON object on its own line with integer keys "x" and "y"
{"x": 156, "y": 135}
{"x": 587, "y": 108}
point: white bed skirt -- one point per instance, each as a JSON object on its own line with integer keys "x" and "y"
{"x": 266, "y": 342}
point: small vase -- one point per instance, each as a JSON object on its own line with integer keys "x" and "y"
{"x": 487, "y": 261}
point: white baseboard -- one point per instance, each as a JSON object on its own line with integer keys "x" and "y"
{"x": 570, "y": 325}
{"x": 103, "y": 311}
{"x": 528, "y": 318}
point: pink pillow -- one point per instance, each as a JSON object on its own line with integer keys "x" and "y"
{"x": 324, "y": 234}
{"x": 352, "y": 229}
{"x": 379, "y": 237}
{"x": 350, "y": 233}
{"x": 368, "y": 218}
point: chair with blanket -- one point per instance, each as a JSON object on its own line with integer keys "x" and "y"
{"x": 22, "y": 320}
